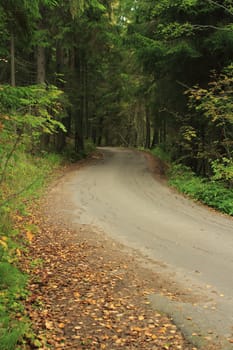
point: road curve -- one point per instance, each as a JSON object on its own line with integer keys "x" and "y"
{"x": 119, "y": 194}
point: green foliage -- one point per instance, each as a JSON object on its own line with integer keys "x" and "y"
{"x": 183, "y": 50}
{"x": 177, "y": 44}
{"x": 71, "y": 155}
{"x": 89, "y": 147}
{"x": 36, "y": 107}
{"x": 175, "y": 30}
{"x": 209, "y": 192}
{"x": 214, "y": 107}
{"x": 215, "y": 102}
{"x": 215, "y": 192}
{"x": 26, "y": 176}
{"x": 11, "y": 334}
{"x": 161, "y": 153}
{"x": 10, "y": 277}
{"x": 223, "y": 171}
{"x": 12, "y": 291}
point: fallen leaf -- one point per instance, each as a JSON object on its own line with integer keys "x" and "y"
{"x": 48, "y": 324}
{"x": 61, "y": 325}
{"x": 29, "y": 236}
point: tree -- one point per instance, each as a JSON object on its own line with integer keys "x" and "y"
{"x": 178, "y": 44}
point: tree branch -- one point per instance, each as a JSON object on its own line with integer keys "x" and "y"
{"x": 183, "y": 84}
{"x": 123, "y": 139}
{"x": 14, "y": 195}
{"x": 206, "y": 26}
{"x": 222, "y": 6}
{"x": 8, "y": 158}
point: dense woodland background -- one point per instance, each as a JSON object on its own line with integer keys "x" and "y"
{"x": 129, "y": 72}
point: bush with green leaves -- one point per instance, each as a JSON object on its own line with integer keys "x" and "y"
{"x": 26, "y": 176}
{"x": 214, "y": 192}
{"x": 12, "y": 287}
{"x": 160, "y": 152}
{"x": 208, "y": 191}
{"x": 26, "y": 114}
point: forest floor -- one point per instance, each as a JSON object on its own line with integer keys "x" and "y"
{"x": 88, "y": 292}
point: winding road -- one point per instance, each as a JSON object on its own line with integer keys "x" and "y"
{"x": 193, "y": 245}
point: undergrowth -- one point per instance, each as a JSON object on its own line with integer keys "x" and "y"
{"x": 23, "y": 181}
{"x": 71, "y": 155}
{"x": 207, "y": 191}
{"x": 210, "y": 191}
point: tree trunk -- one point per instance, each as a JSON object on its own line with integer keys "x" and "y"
{"x": 13, "y": 82}
{"x": 41, "y": 69}
{"x": 100, "y": 131}
{"x": 148, "y": 131}
{"x": 79, "y": 140}
{"x": 94, "y": 134}
{"x": 80, "y": 113}
{"x": 156, "y": 129}
{"x": 60, "y": 136}
{"x": 86, "y": 104}
{"x": 41, "y": 80}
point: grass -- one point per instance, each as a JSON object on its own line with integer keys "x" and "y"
{"x": 207, "y": 191}
{"x": 211, "y": 192}
{"x": 21, "y": 182}
{"x": 161, "y": 153}
{"x": 24, "y": 181}
{"x": 70, "y": 154}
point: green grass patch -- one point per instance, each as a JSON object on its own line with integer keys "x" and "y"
{"x": 12, "y": 292}
{"x": 72, "y": 156}
{"x": 211, "y": 192}
{"x": 161, "y": 153}
{"x": 207, "y": 191}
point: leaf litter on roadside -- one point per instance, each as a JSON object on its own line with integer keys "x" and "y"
{"x": 83, "y": 297}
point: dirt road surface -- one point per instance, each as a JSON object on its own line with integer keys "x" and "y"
{"x": 121, "y": 194}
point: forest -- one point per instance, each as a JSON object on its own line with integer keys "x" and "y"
{"x": 150, "y": 74}
{"x": 131, "y": 73}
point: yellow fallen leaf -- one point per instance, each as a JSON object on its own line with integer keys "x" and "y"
{"x": 29, "y": 236}
{"x": 48, "y": 324}
{"x": 141, "y": 318}
{"x": 77, "y": 328}
{"x": 162, "y": 330}
{"x": 18, "y": 252}
{"x": 76, "y": 295}
{"x": 3, "y": 244}
{"x": 136, "y": 329}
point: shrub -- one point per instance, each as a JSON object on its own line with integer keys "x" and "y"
{"x": 208, "y": 191}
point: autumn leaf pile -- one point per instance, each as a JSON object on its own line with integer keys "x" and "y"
{"x": 84, "y": 294}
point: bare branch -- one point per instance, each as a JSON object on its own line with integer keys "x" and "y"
{"x": 8, "y": 158}
{"x": 183, "y": 84}
{"x": 124, "y": 140}
{"x": 208, "y": 26}
{"x": 14, "y": 195}
{"x": 222, "y": 6}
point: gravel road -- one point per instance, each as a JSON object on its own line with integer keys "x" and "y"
{"x": 189, "y": 243}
